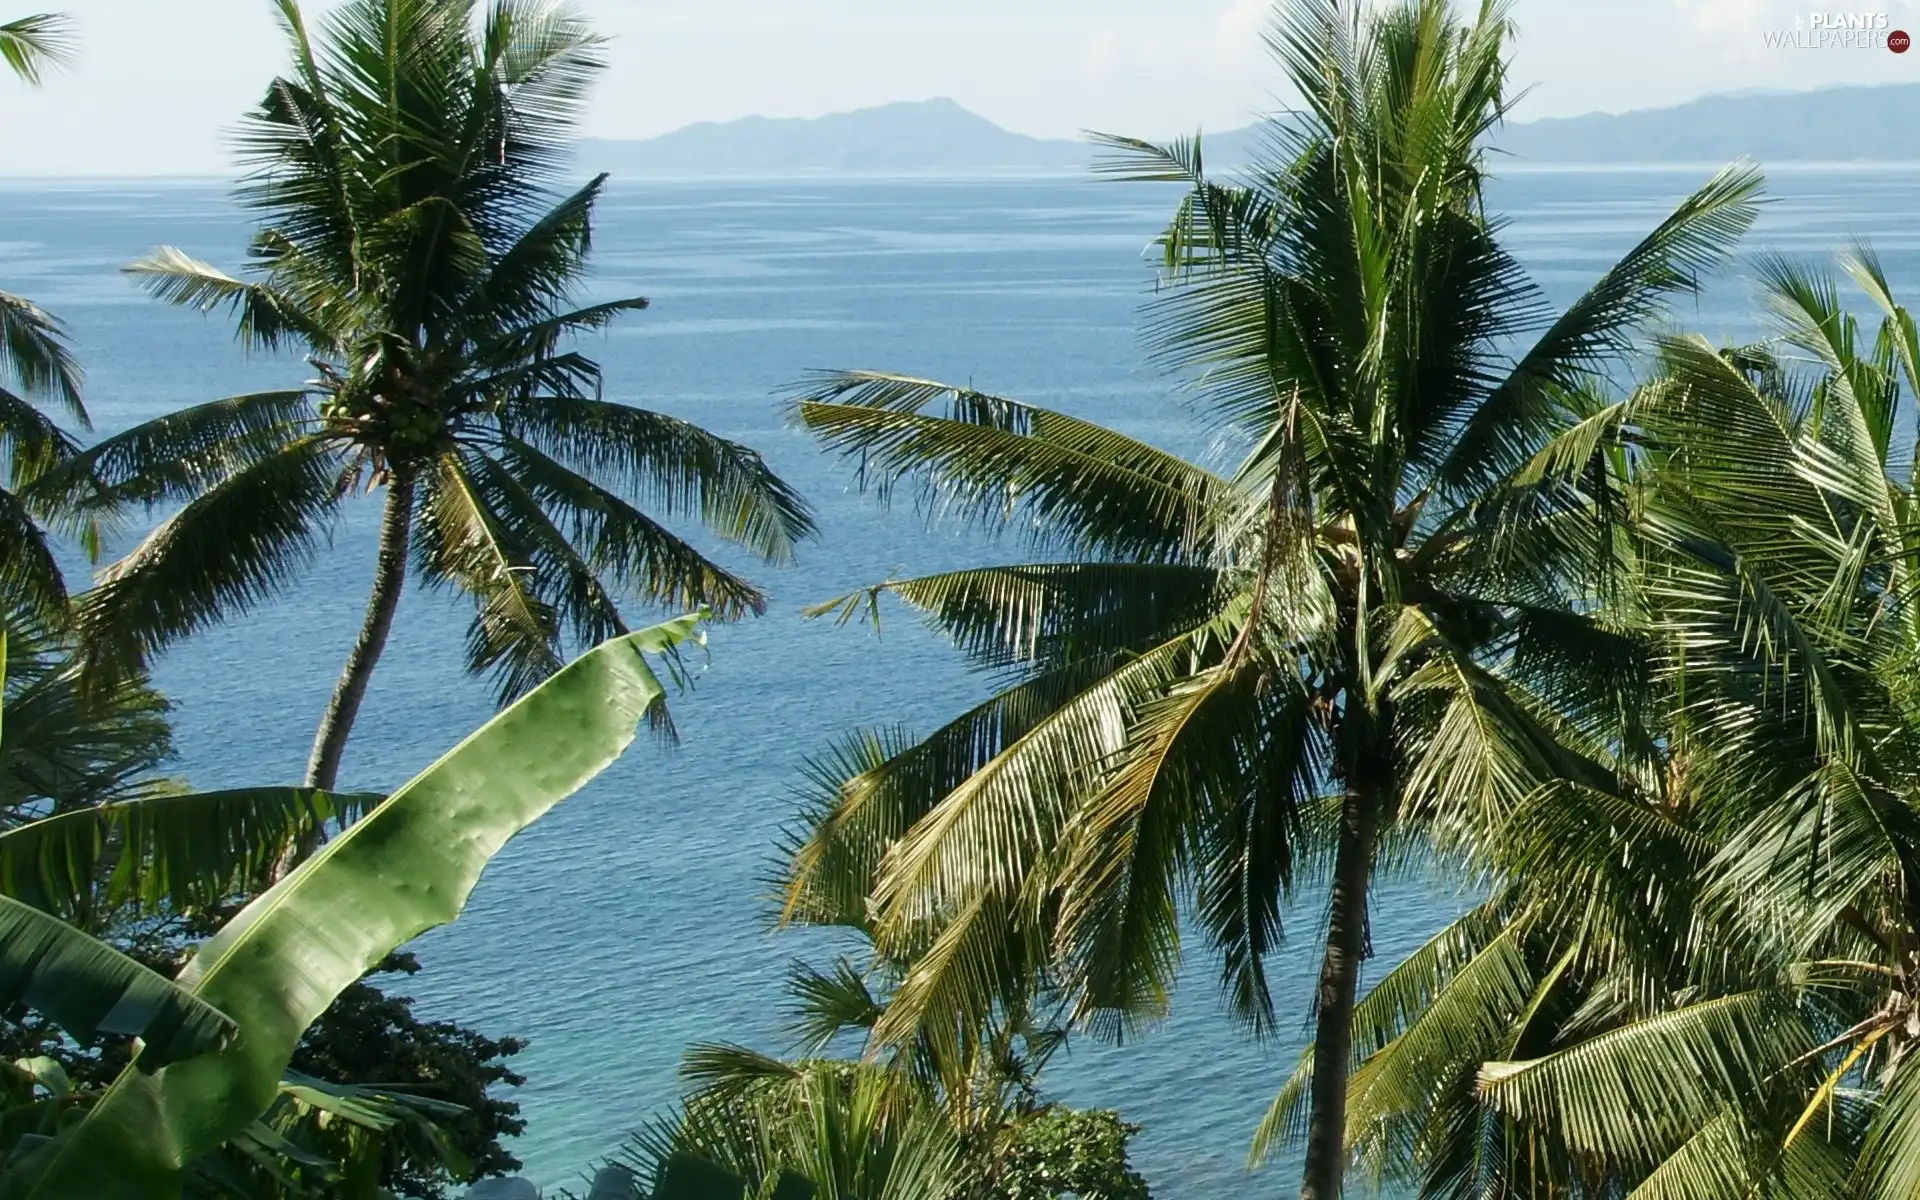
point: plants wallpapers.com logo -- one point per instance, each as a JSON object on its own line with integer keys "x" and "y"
{"x": 1840, "y": 31}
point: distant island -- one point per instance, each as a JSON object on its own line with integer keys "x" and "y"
{"x": 1842, "y": 124}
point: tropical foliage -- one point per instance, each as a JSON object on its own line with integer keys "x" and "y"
{"x": 36, "y": 364}
{"x": 219, "y": 1039}
{"x": 1726, "y": 1012}
{"x": 1389, "y": 616}
{"x": 954, "y": 1115}
{"x": 371, "y": 1032}
{"x": 413, "y": 246}
{"x": 1635, "y": 660}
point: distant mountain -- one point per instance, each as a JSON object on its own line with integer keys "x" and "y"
{"x": 914, "y": 136}
{"x": 1842, "y": 124}
{"x": 940, "y": 137}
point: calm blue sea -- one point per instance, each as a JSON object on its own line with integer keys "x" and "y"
{"x": 632, "y": 921}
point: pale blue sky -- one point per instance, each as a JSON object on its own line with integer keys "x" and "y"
{"x": 159, "y": 80}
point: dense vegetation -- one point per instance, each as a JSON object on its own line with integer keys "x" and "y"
{"x": 1634, "y": 660}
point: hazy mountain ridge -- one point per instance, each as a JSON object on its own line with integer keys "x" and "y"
{"x": 925, "y": 135}
{"x": 1845, "y": 124}
{"x": 1842, "y": 124}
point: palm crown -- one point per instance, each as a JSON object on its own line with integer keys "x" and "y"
{"x": 1383, "y": 615}
{"x": 1725, "y": 1007}
{"x": 412, "y": 245}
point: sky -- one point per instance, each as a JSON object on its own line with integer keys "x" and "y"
{"x": 158, "y": 83}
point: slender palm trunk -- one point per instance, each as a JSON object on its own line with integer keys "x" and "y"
{"x": 389, "y": 575}
{"x": 1339, "y": 983}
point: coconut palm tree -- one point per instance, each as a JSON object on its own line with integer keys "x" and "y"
{"x": 1728, "y": 1010}
{"x": 412, "y": 245}
{"x": 35, "y": 363}
{"x": 1385, "y": 617}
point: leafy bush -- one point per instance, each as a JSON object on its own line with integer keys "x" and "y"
{"x": 371, "y": 1036}
{"x": 1061, "y": 1153}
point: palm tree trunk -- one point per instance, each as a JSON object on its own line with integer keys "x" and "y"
{"x": 1339, "y": 983}
{"x": 389, "y": 575}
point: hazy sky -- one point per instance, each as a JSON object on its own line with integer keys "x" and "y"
{"x": 158, "y": 81}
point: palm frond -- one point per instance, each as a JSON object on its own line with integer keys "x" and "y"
{"x": 1041, "y": 614}
{"x": 611, "y": 538}
{"x": 1598, "y": 328}
{"x": 826, "y": 1004}
{"x": 29, "y": 570}
{"x": 238, "y": 544}
{"x": 34, "y": 350}
{"x": 187, "y": 851}
{"x": 990, "y": 832}
{"x": 668, "y": 463}
{"x": 1002, "y": 464}
{"x": 31, "y": 46}
{"x": 265, "y": 317}
{"x": 461, "y": 542}
{"x": 176, "y": 457}
{"x": 1634, "y": 1095}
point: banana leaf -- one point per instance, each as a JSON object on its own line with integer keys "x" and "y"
{"x": 406, "y": 867}
{"x": 87, "y": 987}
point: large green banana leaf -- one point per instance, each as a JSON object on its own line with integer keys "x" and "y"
{"x": 87, "y": 987}
{"x": 401, "y": 870}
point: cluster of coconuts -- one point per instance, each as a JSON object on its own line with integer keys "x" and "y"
{"x": 407, "y": 424}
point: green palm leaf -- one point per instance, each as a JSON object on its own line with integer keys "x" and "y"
{"x": 1636, "y": 1094}
{"x": 174, "y": 457}
{"x": 189, "y": 850}
{"x": 607, "y": 535}
{"x": 1038, "y": 614}
{"x": 33, "y": 346}
{"x": 670, "y": 463}
{"x": 263, "y": 317}
{"x": 995, "y": 461}
{"x": 462, "y": 541}
{"x": 236, "y": 545}
{"x": 31, "y": 45}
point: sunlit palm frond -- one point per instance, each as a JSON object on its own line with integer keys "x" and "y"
{"x": 1041, "y": 614}
{"x": 670, "y": 463}
{"x": 462, "y": 542}
{"x": 991, "y": 831}
{"x": 34, "y": 353}
{"x": 263, "y": 316}
{"x": 1010, "y": 466}
{"x": 1634, "y": 1095}
{"x": 33, "y": 45}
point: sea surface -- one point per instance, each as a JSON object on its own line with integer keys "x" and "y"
{"x": 634, "y": 920}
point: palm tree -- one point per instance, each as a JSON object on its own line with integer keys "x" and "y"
{"x": 1728, "y": 1010}
{"x": 952, "y": 1115}
{"x": 411, "y": 245}
{"x": 1384, "y": 617}
{"x": 35, "y": 362}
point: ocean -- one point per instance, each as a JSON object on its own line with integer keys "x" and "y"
{"x": 634, "y": 920}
